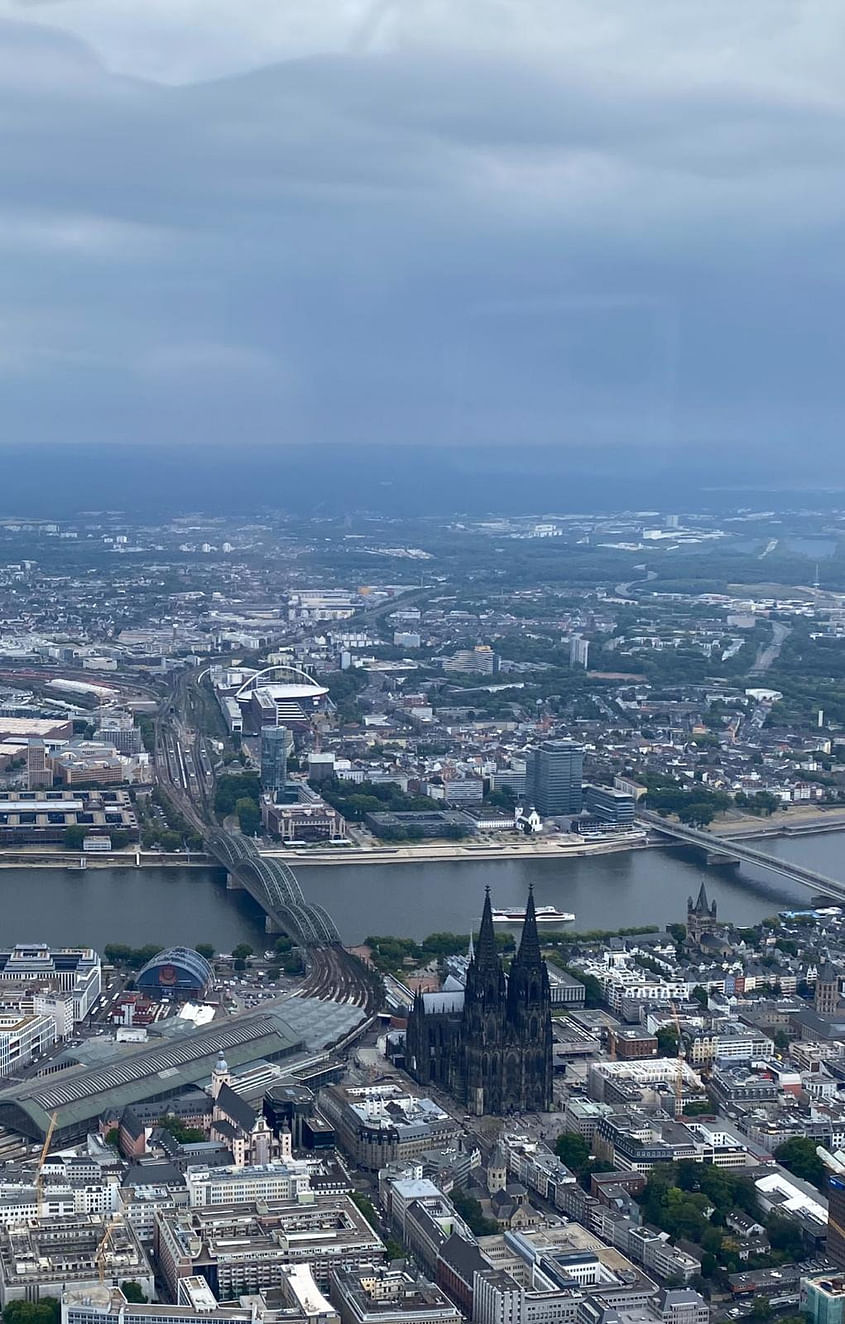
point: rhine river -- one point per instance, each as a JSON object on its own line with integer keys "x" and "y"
{"x": 410, "y": 900}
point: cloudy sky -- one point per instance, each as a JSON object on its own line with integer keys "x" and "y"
{"x": 569, "y": 222}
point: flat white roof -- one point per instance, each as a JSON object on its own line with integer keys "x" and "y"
{"x": 38, "y": 806}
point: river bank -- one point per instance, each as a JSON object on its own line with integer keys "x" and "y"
{"x": 39, "y": 858}
{"x": 522, "y": 848}
{"x": 803, "y": 820}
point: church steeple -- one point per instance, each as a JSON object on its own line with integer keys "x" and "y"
{"x": 486, "y": 953}
{"x": 529, "y": 943}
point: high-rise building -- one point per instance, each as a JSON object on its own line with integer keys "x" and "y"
{"x": 835, "y": 1191}
{"x": 553, "y": 776}
{"x": 579, "y": 651}
{"x": 276, "y": 744}
{"x": 39, "y": 770}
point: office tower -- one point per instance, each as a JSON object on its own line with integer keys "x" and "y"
{"x": 276, "y": 745}
{"x": 553, "y": 775}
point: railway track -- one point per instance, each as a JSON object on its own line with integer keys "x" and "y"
{"x": 185, "y": 769}
{"x": 338, "y": 977}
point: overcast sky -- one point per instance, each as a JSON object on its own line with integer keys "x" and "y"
{"x": 577, "y": 222}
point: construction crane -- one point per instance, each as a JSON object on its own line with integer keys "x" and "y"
{"x": 39, "y": 1180}
{"x": 100, "y": 1252}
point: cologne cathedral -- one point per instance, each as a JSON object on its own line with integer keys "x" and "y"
{"x": 490, "y": 1043}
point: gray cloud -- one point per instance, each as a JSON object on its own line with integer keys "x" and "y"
{"x": 545, "y": 221}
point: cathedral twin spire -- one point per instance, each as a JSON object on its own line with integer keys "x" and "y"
{"x": 486, "y": 952}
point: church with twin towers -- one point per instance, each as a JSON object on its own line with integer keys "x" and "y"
{"x": 489, "y": 1044}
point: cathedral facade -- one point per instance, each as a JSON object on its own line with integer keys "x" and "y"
{"x": 490, "y": 1044}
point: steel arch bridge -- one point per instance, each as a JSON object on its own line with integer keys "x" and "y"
{"x": 738, "y": 850}
{"x": 276, "y": 889}
{"x": 284, "y": 673}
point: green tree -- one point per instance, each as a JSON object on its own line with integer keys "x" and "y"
{"x": 365, "y": 1206}
{"x": 133, "y": 1291}
{"x": 242, "y": 951}
{"x": 205, "y": 949}
{"x": 700, "y": 995}
{"x": 45, "y": 1311}
{"x": 667, "y": 1041}
{"x": 186, "y": 1135}
{"x": 573, "y": 1150}
{"x": 471, "y": 1212}
{"x": 784, "y": 1236}
{"x": 74, "y": 835}
{"x": 798, "y": 1155}
{"x": 112, "y": 1136}
{"x": 249, "y": 816}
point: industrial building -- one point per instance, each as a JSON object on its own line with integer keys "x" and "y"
{"x": 822, "y": 1298}
{"x": 276, "y": 746}
{"x": 379, "y": 1124}
{"x": 613, "y": 808}
{"x": 280, "y": 695}
{"x": 312, "y": 820}
{"x": 23, "y": 1038}
{"x": 297, "y": 1300}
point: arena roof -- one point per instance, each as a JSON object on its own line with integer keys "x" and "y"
{"x": 184, "y": 957}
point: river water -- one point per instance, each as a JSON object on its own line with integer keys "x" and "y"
{"x": 411, "y": 900}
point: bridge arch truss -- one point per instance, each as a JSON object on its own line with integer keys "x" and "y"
{"x": 277, "y": 889}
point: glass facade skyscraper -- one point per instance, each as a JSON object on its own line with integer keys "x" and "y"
{"x": 276, "y": 744}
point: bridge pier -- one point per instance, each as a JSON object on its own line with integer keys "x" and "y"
{"x": 271, "y": 926}
{"x": 233, "y": 884}
{"x": 719, "y": 858}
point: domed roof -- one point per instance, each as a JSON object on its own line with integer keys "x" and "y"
{"x": 184, "y": 958}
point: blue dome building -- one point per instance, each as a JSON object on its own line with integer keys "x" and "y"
{"x": 177, "y": 972}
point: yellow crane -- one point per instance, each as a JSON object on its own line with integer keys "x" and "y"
{"x": 39, "y": 1180}
{"x": 100, "y": 1252}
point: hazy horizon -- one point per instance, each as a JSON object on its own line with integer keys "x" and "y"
{"x": 611, "y": 230}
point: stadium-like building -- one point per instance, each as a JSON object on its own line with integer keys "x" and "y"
{"x": 177, "y": 972}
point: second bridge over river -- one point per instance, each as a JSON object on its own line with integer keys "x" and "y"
{"x": 731, "y": 850}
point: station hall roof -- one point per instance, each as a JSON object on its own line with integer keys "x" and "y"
{"x": 79, "y": 1095}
